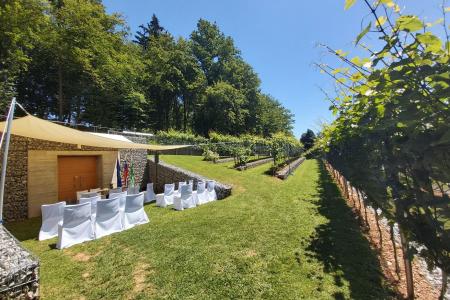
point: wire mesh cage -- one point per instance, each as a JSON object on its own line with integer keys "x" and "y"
{"x": 19, "y": 269}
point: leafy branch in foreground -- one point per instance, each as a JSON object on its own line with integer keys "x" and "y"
{"x": 391, "y": 137}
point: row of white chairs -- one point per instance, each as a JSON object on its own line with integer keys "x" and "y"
{"x": 93, "y": 218}
{"x": 185, "y": 197}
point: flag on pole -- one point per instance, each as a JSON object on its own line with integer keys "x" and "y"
{"x": 119, "y": 178}
{"x": 125, "y": 173}
{"x": 131, "y": 174}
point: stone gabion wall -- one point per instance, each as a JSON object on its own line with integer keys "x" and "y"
{"x": 15, "y": 206}
{"x": 163, "y": 173}
{"x": 139, "y": 158}
{"x": 19, "y": 269}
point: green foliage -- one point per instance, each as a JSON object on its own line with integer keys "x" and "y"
{"x": 391, "y": 118}
{"x": 173, "y": 137}
{"x": 72, "y": 60}
{"x": 209, "y": 155}
{"x": 308, "y": 138}
{"x": 230, "y": 102}
{"x": 283, "y": 147}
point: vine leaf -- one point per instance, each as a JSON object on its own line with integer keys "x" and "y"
{"x": 409, "y": 23}
{"x": 363, "y": 33}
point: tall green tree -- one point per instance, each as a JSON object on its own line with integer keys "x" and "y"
{"x": 308, "y": 138}
{"x": 223, "y": 110}
{"x": 21, "y": 26}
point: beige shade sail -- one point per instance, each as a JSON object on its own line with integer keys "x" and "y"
{"x": 36, "y": 128}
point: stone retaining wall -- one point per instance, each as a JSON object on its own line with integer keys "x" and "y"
{"x": 19, "y": 269}
{"x": 290, "y": 168}
{"x": 255, "y": 163}
{"x": 224, "y": 160}
{"x": 163, "y": 173}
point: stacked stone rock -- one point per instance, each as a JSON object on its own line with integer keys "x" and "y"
{"x": 16, "y": 186}
{"x": 255, "y": 163}
{"x": 287, "y": 170}
{"x": 139, "y": 159}
{"x": 19, "y": 269}
{"x": 167, "y": 173}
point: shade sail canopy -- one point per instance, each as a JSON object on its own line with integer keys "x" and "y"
{"x": 36, "y": 128}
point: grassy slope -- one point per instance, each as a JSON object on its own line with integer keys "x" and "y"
{"x": 271, "y": 239}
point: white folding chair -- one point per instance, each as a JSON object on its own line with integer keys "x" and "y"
{"x": 108, "y": 218}
{"x": 150, "y": 193}
{"x": 93, "y": 201}
{"x": 210, "y": 186}
{"x": 178, "y": 191}
{"x": 165, "y": 199}
{"x": 122, "y": 196}
{"x": 133, "y": 190}
{"x": 116, "y": 190}
{"x": 186, "y": 200}
{"x": 79, "y": 194}
{"x": 201, "y": 194}
{"x": 134, "y": 211}
{"x": 76, "y": 226}
{"x": 89, "y": 194}
{"x": 52, "y": 214}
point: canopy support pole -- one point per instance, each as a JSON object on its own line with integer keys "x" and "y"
{"x": 5, "y": 155}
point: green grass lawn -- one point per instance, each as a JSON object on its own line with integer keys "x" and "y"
{"x": 272, "y": 239}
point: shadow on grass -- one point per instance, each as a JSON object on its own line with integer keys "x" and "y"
{"x": 26, "y": 229}
{"x": 342, "y": 248}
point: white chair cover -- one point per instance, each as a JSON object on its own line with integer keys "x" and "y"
{"x": 134, "y": 211}
{"x": 76, "y": 226}
{"x": 52, "y": 214}
{"x": 186, "y": 200}
{"x": 133, "y": 190}
{"x": 108, "y": 218}
{"x": 116, "y": 190}
{"x": 93, "y": 201}
{"x": 202, "y": 196}
{"x": 96, "y": 190}
{"x": 165, "y": 199}
{"x": 89, "y": 194}
{"x": 191, "y": 182}
{"x": 178, "y": 191}
{"x": 210, "y": 185}
{"x": 79, "y": 194}
{"x": 150, "y": 193}
{"x": 122, "y": 197}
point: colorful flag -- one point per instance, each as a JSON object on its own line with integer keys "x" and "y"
{"x": 131, "y": 174}
{"x": 125, "y": 173}
{"x": 119, "y": 178}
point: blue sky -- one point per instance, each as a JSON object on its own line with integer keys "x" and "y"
{"x": 278, "y": 38}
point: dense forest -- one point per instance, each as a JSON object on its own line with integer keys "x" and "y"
{"x": 72, "y": 61}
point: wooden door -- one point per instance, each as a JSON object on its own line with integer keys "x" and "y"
{"x": 76, "y": 173}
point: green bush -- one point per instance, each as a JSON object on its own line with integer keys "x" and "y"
{"x": 210, "y": 155}
{"x": 174, "y": 137}
{"x": 241, "y": 155}
{"x": 283, "y": 147}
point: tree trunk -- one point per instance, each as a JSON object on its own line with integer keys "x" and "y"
{"x": 397, "y": 267}
{"x": 408, "y": 267}
{"x": 60, "y": 93}
{"x": 444, "y": 285}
